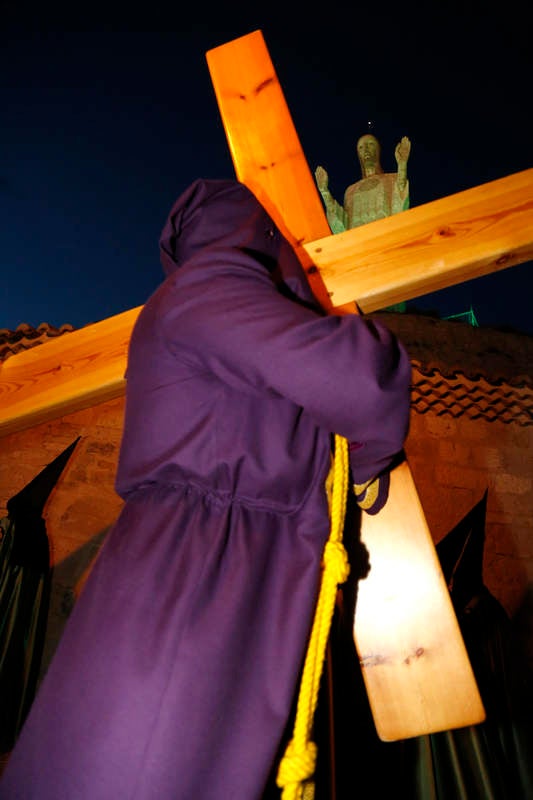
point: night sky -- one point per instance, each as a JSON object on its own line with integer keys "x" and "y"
{"x": 106, "y": 117}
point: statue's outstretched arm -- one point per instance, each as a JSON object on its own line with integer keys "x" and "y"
{"x": 334, "y": 210}
{"x": 402, "y": 152}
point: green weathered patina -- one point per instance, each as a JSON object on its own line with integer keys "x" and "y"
{"x": 377, "y": 195}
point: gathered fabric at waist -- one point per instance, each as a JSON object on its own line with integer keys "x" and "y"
{"x": 205, "y": 492}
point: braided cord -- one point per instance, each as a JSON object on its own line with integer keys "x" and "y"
{"x": 297, "y": 767}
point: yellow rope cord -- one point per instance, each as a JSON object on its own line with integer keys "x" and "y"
{"x": 297, "y": 767}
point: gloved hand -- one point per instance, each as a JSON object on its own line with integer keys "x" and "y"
{"x": 372, "y": 495}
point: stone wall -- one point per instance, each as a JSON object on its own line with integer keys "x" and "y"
{"x": 453, "y": 463}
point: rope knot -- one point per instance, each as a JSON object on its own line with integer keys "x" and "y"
{"x": 297, "y": 767}
{"x": 298, "y": 763}
{"x": 336, "y": 561}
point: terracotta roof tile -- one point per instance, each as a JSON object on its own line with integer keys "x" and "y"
{"x": 25, "y": 336}
{"x": 456, "y": 395}
{"x": 458, "y": 370}
{"x": 456, "y": 348}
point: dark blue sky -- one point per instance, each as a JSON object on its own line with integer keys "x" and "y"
{"x": 105, "y": 119}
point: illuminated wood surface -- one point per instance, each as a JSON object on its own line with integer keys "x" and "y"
{"x": 414, "y": 663}
{"x": 448, "y": 241}
{"x": 460, "y": 237}
{"x": 263, "y": 142}
{"x": 66, "y": 374}
{"x": 415, "y": 666}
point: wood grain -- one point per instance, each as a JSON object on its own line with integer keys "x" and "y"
{"x": 67, "y": 374}
{"x": 452, "y": 240}
{"x": 458, "y": 238}
{"x": 415, "y": 668}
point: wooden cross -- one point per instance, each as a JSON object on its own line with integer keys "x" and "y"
{"x": 416, "y": 670}
{"x": 415, "y": 666}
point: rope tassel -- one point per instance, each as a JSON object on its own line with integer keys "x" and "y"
{"x": 297, "y": 767}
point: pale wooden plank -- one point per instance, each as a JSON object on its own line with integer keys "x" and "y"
{"x": 378, "y": 264}
{"x": 406, "y": 632}
{"x": 448, "y": 241}
{"x": 66, "y": 374}
{"x": 387, "y": 261}
{"x": 267, "y": 158}
{"x": 272, "y": 155}
{"x": 241, "y": 72}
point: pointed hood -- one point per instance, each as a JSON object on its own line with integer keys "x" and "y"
{"x": 461, "y": 555}
{"x": 215, "y": 214}
{"x": 25, "y": 512}
{"x": 31, "y": 500}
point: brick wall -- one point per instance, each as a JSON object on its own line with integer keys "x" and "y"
{"x": 453, "y": 462}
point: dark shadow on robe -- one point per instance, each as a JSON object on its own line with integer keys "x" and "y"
{"x": 25, "y": 583}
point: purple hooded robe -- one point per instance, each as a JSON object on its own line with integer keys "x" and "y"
{"x": 177, "y": 670}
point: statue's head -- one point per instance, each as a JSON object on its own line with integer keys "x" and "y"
{"x": 369, "y": 153}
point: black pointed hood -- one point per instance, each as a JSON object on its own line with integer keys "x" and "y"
{"x": 31, "y": 500}
{"x": 461, "y": 555}
{"x": 215, "y": 214}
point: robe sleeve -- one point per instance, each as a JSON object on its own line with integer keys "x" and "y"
{"x": 352, "y": 375}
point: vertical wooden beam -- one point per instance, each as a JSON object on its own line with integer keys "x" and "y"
{"x": 406, "y": 632}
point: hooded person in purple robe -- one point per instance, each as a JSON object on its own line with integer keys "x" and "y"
{"x": 178, "y": 668}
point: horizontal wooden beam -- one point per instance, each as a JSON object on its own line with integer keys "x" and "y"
{"x": 66, "y": 374}
{"x": 460, "y": 237}
{"x": 448, "y": 241}
{"x": 429, "y": 247}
